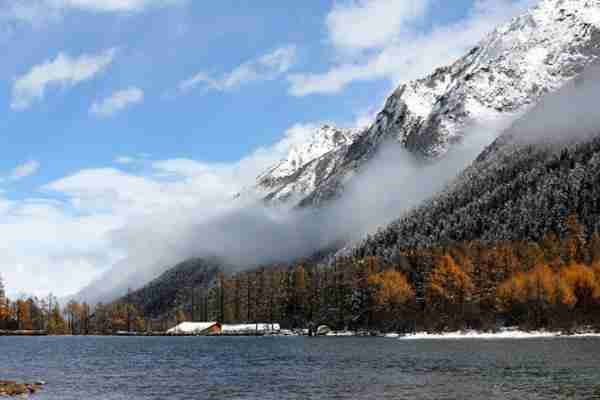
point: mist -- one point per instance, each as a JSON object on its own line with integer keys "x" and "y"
{"x": 246, "y": 234}
{"x": 569, "y": 115}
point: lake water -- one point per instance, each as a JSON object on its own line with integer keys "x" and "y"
{"x": 303, "y": 368}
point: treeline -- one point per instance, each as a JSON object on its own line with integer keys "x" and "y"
{"x": 554, "y": 283}
{"x": 46, "y": 314}
{"x": 36, "y": 314}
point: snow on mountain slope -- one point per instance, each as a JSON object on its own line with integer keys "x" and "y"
{"x": 302, "y": 170}
{"x": 507, "y": 73}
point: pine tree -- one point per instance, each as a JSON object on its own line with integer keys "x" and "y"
{"x": 2, "y": 291}
{"x": 299, "y": 282}
{"x": 56, "y": 323}
{"x": 574, "y": 249}
{"x": 4, "y": 306}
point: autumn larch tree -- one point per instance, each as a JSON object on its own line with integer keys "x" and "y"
{"x": 448, "y": 289}
{"x": 392, "y": 295}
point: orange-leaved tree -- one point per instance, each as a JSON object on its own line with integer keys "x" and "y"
{"x": 530, "y": 298}
{"x": 583, "y": 283}
{"x": 392, "y": 289}
{"x": 392, "y": 294}
{"x": 4, "y": 308}
{"x": 448, "y": 289}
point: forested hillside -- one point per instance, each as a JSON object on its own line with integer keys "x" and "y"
{"x": 554, "y": 283}
{"x": 174, "y": 288}
{"x": 526, "y": 212}
{"x": 520, "y": 192}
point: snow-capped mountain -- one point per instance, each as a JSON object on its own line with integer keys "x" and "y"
{"x": 507, "y": 73}
{"x": 305, "y": 165}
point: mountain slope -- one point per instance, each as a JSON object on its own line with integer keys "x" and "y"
{"x": 545, "y": 168}
{"x": 173, "y": 289}
{"x": 508, "y": 72}
{"x": 505, "y": 75}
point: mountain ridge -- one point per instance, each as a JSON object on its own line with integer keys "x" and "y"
{"x": 506, "y": 73}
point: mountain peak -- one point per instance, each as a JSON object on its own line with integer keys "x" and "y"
{"x": 324, "y": 140}
{"x": 506, "y": 74}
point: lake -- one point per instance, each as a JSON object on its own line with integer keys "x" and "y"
{"x": 303, "y": 368}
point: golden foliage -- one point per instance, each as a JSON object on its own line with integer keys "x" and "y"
{"x": 448, "y": 283}
{"x": 299, "y": 278}
{"x": 392, "y": 288}
{"x": 513, "y": 290}
{"x": 573, "y": 284}
{"x": 582, "y": 281}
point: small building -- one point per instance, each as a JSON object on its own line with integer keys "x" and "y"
{"x": 216, "y": 328}
{"x": 196, "y": 328}
{"x": 250, "y": 329}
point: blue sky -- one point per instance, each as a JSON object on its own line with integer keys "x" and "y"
{"x": 114, "y": 110}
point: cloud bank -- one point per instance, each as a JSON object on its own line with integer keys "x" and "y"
{"x": 72, "y": 232}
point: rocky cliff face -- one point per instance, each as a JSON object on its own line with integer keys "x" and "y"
{"x": 507, "y": 73}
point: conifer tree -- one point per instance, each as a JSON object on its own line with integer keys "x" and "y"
{"x": 4, "y": 310}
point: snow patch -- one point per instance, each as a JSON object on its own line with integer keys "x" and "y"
{"x": 503, "y": 334}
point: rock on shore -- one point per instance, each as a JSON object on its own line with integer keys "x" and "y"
{"x": 12, "y": 388}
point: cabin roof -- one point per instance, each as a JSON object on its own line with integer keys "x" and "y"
{"x": 192, "y": 327}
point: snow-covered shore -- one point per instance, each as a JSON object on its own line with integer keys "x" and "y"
{"x": 502, "y": 334}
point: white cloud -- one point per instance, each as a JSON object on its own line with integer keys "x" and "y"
{"x": 24, "y": 170}
{"x": 108, "y": 5}
{"x": 267, "y": 67}
{"x": 364, "y": 24}
{"x": 125, "y": 160}
{"x": 37, "y": 11}
{"x": 45, "y": 248}
{"x": 398, "y": 54}
{"x": 63, "y": 71}
{"x": 107, "y": 215}
{"x": 118, "y": 101}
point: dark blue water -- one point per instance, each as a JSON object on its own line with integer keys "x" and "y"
{"x": 303, "y": 368}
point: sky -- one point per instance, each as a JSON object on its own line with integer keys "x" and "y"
{"x": 113, "y": 111}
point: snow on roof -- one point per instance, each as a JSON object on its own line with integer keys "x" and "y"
{"x": 261, "y": 327}
{"x": 191, "y": 327}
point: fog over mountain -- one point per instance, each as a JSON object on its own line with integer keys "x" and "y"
{"x": 571, "y": 114}
{"x": 541, "y": 170}
{"x": 248, "y": 234}
{"x": 521, "y": 186}
{"x": 428, "y": 131}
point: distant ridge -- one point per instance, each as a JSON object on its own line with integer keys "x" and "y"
{"x": 507, "y": 73}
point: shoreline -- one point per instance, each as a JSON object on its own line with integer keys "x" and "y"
{"x": 503, "y": 333}
{"x": 509, "y": 333}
